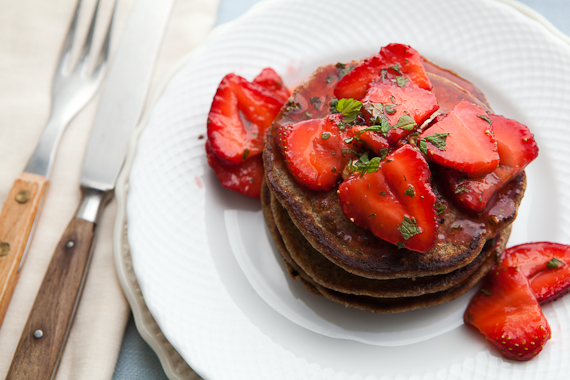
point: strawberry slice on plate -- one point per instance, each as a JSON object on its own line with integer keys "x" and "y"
{"x": 546, "y": 265}
{"x": 463, "y": 141}
{"x": 316, "y": 151}
{"x": 271, "y": 81}
{"x": 508, "y": 314}
{"x": 244, "y": 178}
{"x": 395, "y": 59}
{"x": 397, "y": 107}
{"x": 239, "y": 117}
{"x": 393, "y": 199}
{"x": 517, "y": 148}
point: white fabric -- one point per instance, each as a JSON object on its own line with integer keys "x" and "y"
{"x": 31, "y": 35}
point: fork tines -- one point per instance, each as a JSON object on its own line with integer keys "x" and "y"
{"x": 85, "y": 59}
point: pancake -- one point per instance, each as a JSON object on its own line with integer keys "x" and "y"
{"x": 382, "y": 304}
{"x": 325, "y": 273}
{"x": 319, "y": 217}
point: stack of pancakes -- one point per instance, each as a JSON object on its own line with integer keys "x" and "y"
{"x": 336, "y": 259}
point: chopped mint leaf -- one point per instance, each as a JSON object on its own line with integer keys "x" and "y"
{"x": 401, "y": 245}
{"x": 461, "y": 189}
{"x": 383, "y": 152}
{"x": 440, "y": 209}
{"x": 316, "y": 102}
{"x": 554, "y": 263}
{"x": 486, "y": 118}
{"x": 349, "y": 109}
{"x": 374, "y": 109}
{"x": 396, "y": 68}
{"x": 423, "y": 146}
{"x": 333, "y": 104}
{"x": 325, "y": 136}
{"x": 485, "y": 292}
{"x": 437, "y": 140}
{"x": 308, "y": 114}
{"x": 389, "y": 108}
{"x": 245, "y": 154}
{"x": 340, "y": 65}
{"x": 408, "y": 228}
{"x": 401, "y": 81}
{"x": 330, "y": 78}
{"x": 410, "y": 191}
{"x": 406, "y": 122}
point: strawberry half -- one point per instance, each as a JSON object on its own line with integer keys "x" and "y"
{"x": 244, "y": 178}
{"x": 393, "y": 199}
{"x": 315, "y": 151}
{"x": 271, "y": 81}
{"x": 463, "y": 141}
{"x": 397, "y": 107}
{"x": 516, "y": 147}
{"x": 397, "y": 59}
{"x": 239, "y": 117}
{"x": 546, "y": 265}
{"x": 507, "y": 313}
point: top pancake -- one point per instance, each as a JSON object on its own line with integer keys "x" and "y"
{"x": 318, "y": 214}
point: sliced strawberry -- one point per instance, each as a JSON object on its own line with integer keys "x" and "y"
{"x": 239, "y": 117}
{"x": 395, "y": 202}
{"x": 397, "y": 59}
{"x": 469, "y": 145}
{"x": 516, "y": 147}
{"x": 270, "y": 80}
{"x": 400, "y": 103}
{"x": 244, "y": 178}
{"x": 315, "y": 151}
{"x": 515, "y": 142}
{"x": 374, "y": 140}
{"x": 546, "y": 265}
{"x": 507, "y": 313}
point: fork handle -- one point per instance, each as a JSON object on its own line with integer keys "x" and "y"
{"x": 21, "y": 209}
{"x": 43, "y": 339}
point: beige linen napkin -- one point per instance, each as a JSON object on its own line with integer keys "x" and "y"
{"x": 31, "y": 35}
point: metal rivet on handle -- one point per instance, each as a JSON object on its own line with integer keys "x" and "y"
{"x": 38, "y": 334}
{"x": 70, "y": 244}
{"x": 4, "y": 249}
{"x": 23, "y": 196}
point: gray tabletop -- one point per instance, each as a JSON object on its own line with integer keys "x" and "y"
{"x": 136, "y": 360}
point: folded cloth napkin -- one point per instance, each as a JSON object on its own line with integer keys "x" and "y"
{"x": 32, "y": 33}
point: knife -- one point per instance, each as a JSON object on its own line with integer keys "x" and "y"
{"x": 44, "y": 336}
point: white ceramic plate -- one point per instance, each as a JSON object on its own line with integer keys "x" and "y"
{"x": 209, "y": 273}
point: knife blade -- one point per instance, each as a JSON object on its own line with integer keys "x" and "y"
{"x": 44, "y": 336}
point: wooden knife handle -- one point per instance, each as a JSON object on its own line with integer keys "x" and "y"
{"x": 43, "y": 338}
{"x": 17, "y": 222}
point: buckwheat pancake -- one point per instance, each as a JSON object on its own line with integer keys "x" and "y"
{"x": 319, "y": 217}
{"x": 325, "y": 273}
{"x": 383, "y": 304}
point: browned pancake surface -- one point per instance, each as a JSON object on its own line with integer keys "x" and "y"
{"x": 325, "y": 273}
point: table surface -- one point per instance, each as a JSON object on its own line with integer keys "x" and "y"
{"x": 136, "y": 359}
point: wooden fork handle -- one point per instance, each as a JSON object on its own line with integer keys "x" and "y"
{"x": 17, "y": 221}
{"x": 43, "y": 338}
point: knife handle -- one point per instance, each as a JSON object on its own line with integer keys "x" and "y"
{"x": 43, "y": 338}
{"x": 21, "y": 209}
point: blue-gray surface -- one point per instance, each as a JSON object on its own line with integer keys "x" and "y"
{"x": 136, "y": 360}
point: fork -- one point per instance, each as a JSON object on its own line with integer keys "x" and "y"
{"x": 73, "y": 87}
